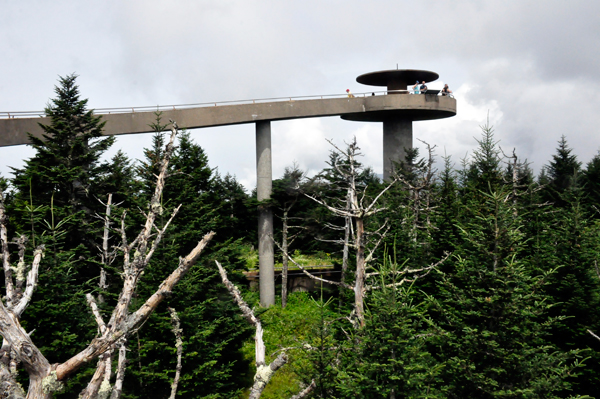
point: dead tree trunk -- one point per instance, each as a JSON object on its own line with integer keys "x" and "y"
{"x": 264, "y": 372}
{"x": 284, "y": 259}
{"x": 355, "y": 210}
{"x": 359, "y": 284}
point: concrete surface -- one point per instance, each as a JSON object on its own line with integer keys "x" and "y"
{"x": 370, "y": 108}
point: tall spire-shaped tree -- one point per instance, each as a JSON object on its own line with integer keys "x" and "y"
{"x": 563, "y": 172}
{"x": 67, "y": 159}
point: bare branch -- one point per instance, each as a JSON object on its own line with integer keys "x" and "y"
{"x": 121, "y": 365}
{"x": 264, "y": 372}
{"x": 179, "y": 345}
{"x": 8, "y": 281}
{"x": 32, "y": 280}
{"x": 594, "y": 335}
{"x": 408, "y": 271}
{"x": 92, "y": 388}
{"x": 305, "y": 391}
{"x": 96, "y": 312}
{"x": 160, "y": 234}
{"x": 368, "y": 211}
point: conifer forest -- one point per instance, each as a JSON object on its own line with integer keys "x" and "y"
{"x": 457, "y": 278}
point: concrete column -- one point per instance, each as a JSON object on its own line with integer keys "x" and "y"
{"x": 397, "y": 135}
{"x": 264, "y": 184}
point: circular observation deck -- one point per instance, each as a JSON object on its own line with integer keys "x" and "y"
{"x": 407, "y": 107}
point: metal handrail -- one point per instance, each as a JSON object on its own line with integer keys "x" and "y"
{"x": 158, "y": 108}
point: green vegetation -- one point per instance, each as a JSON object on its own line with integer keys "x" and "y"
{"x": 317, "y": 260}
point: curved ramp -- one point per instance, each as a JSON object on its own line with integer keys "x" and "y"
{"x": 13, "y": 131}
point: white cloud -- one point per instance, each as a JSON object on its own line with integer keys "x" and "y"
{"x": 532, "y": 64}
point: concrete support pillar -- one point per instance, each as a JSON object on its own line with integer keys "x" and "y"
{"x": 264, "y": 184}
{"x": 397, "y": 135}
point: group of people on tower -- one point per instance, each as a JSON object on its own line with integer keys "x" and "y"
{"x": 417, "y": 89}
{"x": 422, "y": 89}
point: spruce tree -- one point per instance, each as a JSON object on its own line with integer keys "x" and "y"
{"x": 495, "y": 312}
{"x": 590, "y": 181}
{"x": 485, "y": 169}
{"x": 67, "y": 159}
{"x": 568, "y": 242}
{"x": 563, "y": 173}
{"x": 389, "y": 357}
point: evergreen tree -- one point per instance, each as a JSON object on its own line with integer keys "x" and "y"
{"x": 494, "y": 311}
{"x": 568, "y": 243}
{"x": 389, "y": 357}
{"x": 484, "y": 170}
{"x": 590, "y": 180}
{"x": 67, "y": 160}
{"x": 563, "y": 173}
{"x": 446, "y": 234}
{"x": 120, "y": 181}
{"x": 212, "y": 357}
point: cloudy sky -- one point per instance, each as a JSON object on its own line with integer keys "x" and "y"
{"x": 533, "y": 65}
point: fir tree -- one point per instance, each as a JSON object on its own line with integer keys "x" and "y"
{"x": 495, "y": 312}
{"x": 563, "y": 173}
{"x": 67, "y": 159}
{"x": 484, "y": 170}
{"x": 389, "y": 357}
{"x": 212, "y": 354}
{"x": 591, "y": 184}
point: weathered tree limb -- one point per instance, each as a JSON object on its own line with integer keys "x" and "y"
{"x": 8, "y": 281}
{"x": 305, "y": 391}
{"x": 96, "y": 313}
{"x": 32, "y": 279}
{"x": 91, "y": 390}
{"x": 121, "y": 366}
{"x": 264, "y": 372}
{"x": 36, "y": 365}
{"x": 414, "y": 274}
{"x": 118, "y": 331}
{"x": 160, "y": 234}
{"x": 9, "y": 387}
{"x": 177, "y": 331}
{"x": 106, "y": 257}
{"x": 593, "y": 335}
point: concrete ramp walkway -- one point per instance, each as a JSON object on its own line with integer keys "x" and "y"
{"x": 13, "y": 131}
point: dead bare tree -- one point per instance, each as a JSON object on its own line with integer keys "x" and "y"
{"x": 356, "y": 210}
{"x": 179, "y": 345}
{"x": 264, "y": 372}
{"x": 18, "y": 347}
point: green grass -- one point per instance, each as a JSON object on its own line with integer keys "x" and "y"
{"x": 319, "y": 259}
{"x": 284, "y": 328}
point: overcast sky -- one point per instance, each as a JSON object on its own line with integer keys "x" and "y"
{"x": 533, "y": 65}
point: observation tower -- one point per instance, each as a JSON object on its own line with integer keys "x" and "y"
{"x": 397, "y": 108}
{"x": 397, "y": 120}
